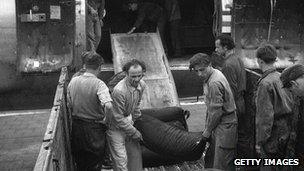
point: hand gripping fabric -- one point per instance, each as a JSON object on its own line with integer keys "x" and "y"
{"x": 170, "y": 141}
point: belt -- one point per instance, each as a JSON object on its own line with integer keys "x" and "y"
{"x": 88, "y": 120}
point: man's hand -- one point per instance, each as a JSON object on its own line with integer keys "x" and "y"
{"x": 132, "y": 30}
{"x": 258, "y": 150}
{"x": 206, "y": 136}
{"x": 206, "y": 139}
{"x": 137, "y": 136}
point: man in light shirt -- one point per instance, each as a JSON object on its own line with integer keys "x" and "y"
{"x": 122, "y": 136}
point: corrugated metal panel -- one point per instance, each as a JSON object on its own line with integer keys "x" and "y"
{"x": 45, "y": 34}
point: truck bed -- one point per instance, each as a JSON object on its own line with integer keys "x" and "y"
{"x": 21, "y": 134}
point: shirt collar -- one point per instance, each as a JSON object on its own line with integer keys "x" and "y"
{"x": 229, "y": 54}
{"x": 265, "y": 73}
{"x": 208, "y": 79}
{"x": 87, "y": 74}
{"x": 130, "y": 87}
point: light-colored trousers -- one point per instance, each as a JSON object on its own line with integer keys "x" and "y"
{"x": 125, "y": 151}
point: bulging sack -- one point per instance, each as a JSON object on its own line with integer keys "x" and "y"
{"x": 170, "y": 141}
{"x": 168, "y": 114}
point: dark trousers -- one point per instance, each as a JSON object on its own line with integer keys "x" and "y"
{"x": 88, "y": 144}
{"x": 93, "y": 32}
{"x": 175, "y": 37}
{"x": 245, "y": 144}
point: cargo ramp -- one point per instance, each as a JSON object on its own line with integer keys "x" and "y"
{"x": 147, "y": 47}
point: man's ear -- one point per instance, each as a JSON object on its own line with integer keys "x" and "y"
{"x": 293, "y": 83}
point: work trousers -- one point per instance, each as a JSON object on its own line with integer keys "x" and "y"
{"x": 221, "y": 153}
{"x": 245, "y": 144}
{"x": 175, "y": 37}
{"x": 125, "y": 151}
{"x": 88, "y": 144}
{"x": 93, "y": 32}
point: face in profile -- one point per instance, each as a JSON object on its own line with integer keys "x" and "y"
{"x": 219, "y": 48}
{"x": 134, "y": 75}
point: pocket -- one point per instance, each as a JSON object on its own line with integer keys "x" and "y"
{"x": 227, "y": 135}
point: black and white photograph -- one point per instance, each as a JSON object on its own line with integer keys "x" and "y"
{"x": 152, "y": 85}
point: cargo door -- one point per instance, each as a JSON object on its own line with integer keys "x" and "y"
{"x": 45, "y": 34}
{"x": 279, "y": 22}
{"x": 147, "y": 47}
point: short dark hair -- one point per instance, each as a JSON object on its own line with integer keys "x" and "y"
{"x": 92, "y": 60}
{"x": 226, "y": 40}
{"x": 199, "y": 59}
{"x": 134, "y": 62}
{"x": 267, "y": 53}
{"x": 291, "y": 73}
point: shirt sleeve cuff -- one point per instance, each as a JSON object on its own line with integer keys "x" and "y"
{"x": 206, "y": 133}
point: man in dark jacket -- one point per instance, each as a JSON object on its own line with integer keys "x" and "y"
{"x": 274, "y": 109}
{"x": 293, "y": 80}
{"x": 234, "y": 70}
{"x": 150, "y": 12}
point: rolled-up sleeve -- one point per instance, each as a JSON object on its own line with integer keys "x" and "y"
{"x": 264, "y": 114}
{"x": 119, "y": 119}
{"x": 103, "y": 93}
{"x": 215, "y": 111}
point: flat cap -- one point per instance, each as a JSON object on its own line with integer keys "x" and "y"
{"x": 291, "y": 73}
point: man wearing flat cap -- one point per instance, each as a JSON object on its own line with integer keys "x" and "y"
{"x": 293, "y": 80}
{"x": 273, "y": 109}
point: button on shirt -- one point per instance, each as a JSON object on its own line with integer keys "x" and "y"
{"x": 219, "y": 101}
{"x": 87, "y": 95}
{"x": 126, "y": 101}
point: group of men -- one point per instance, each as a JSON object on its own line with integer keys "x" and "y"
{"x": 276, "y": 111}
{"x": 102, "y": 120}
